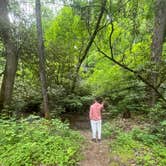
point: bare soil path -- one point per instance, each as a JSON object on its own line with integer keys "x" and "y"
{"x": 94, "y": 154}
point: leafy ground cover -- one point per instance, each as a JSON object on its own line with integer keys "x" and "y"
{"x": 131, "y": 144}
{"x": 38, "y": 142}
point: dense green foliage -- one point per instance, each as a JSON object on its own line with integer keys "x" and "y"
{"x": 118, "y": 65}
{"x": 137, "y": 146}
{"x": 67, "y": 31}
{"x": 35, "y": 141}
{"x": 158, "y": 116}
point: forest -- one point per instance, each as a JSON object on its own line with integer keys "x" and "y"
{"x": 57, "y": 56}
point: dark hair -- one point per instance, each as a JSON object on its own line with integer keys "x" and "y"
{"x": 99, "y": 99}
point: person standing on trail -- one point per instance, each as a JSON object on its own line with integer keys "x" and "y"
{"x": 96, "y": 119}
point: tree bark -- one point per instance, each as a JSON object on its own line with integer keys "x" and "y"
{"x": 157, "y": 44}
{"x": 11, "y": 55}
{"x": 41, "y": 54}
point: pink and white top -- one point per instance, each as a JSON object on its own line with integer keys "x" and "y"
{"x": 95, "y": 111}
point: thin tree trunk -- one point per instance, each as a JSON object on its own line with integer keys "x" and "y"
{"x": 41, "y": 54}
{"x": 92, "y": 38}
{"x": 157, "y": 44}
{"x": 11, "y": 56}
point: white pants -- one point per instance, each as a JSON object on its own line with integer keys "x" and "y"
{"x": 96, "y": 128}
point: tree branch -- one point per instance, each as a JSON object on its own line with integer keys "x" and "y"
{"x": 95, "y": 31}
{"x": 90, "y": 41}
{"x": 132, "y": 71}
{"x": 2, "y": 73}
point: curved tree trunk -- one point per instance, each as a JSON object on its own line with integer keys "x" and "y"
{"x": 91, "y": 40}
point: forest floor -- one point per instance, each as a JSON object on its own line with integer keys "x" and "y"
{"x": 94, "y": 153}
{"x": 99, "y": 154}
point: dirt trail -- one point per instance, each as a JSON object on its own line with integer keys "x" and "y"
{"x": 95, "y": 154}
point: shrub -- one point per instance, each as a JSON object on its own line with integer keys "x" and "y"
{"x": 157, "y": 116}
{"x": 114, "y": 111}
{"x": 129, "y": 150}
{"x": 144, "y": 137}
{"x": 76, "y": 103}
{"x": 37, "y": 142}
{"x": 107, "y": 130}
{"x": 110, "y": 130}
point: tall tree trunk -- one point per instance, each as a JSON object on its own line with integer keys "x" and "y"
{"x": 41, "y": 54}
{"x": 157, "y": 44}
{"x": 11, "y": 55}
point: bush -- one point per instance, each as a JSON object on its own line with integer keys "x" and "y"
{"x": 107, "y": 130}
{"x": 38, "y": 142}
{"x": 110, "y": 130}
{"x": 72, "y": 103}
{"x": 76, "y": 103}
{"x": 157, "y": 113}
{"x": 157, "y": 116}
{"x": 114, "y": 111}
{"x": 144, "y": 137}
{"x": 129, "y": 150}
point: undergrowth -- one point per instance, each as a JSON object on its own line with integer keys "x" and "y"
{"x": 135, "y": 147}
{"x": 38, "y": 142}
{"x": 142, "y": 149}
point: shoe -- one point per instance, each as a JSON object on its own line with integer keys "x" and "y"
{"x": 93, "y": 140}
{"x": 99, "y": 140}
